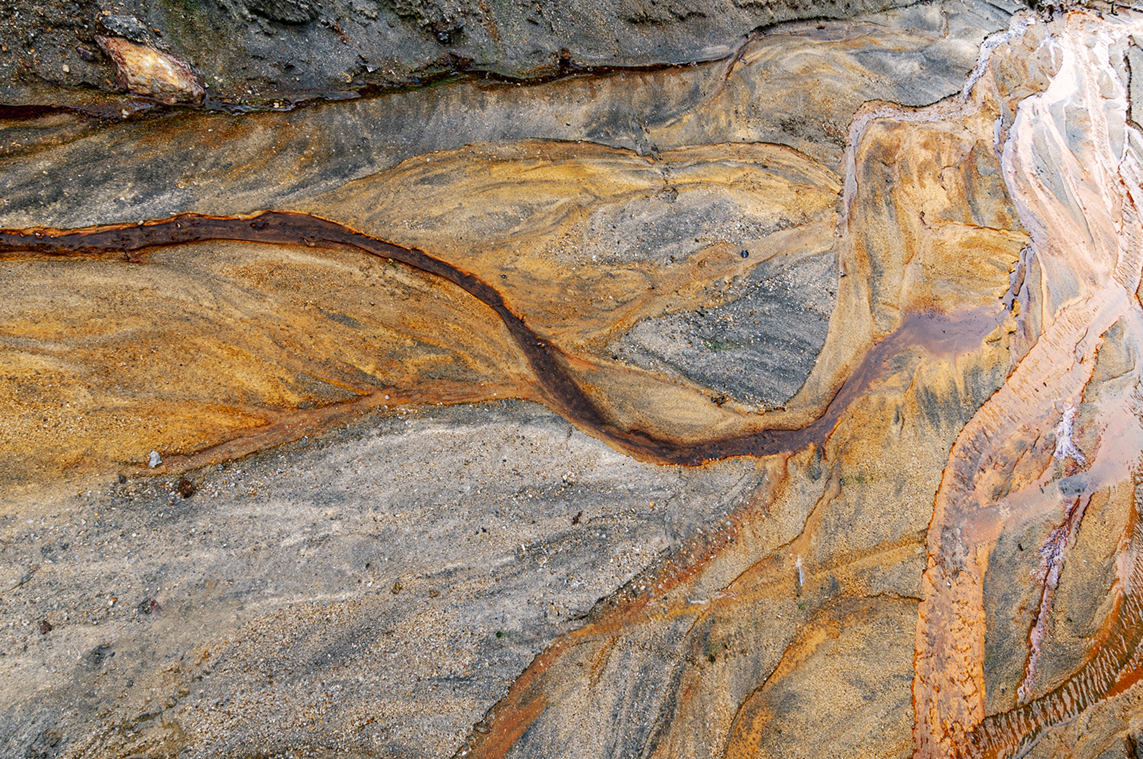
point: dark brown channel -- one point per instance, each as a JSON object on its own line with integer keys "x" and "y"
{"x": 548, "y": 362}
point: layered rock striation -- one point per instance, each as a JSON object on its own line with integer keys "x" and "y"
{"x": 784, "y": 405}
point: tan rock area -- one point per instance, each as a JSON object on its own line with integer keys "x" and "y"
{"x": 785, "y": 404}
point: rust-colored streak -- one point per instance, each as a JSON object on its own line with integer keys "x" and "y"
{"x": 949, "y": 687}
{"x": 1113, "y": 668}
{"x": 547, "y": 361}
{"x": 1085, "y": 228}
{"x": 526, "y": 701}
{"x": 882, "y": 504}
{"x": 285, "y": 426}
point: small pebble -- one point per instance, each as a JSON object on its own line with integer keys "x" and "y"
{"x": 45, "y": 627}
{"x": 66, "y": 69}
{"x": 154, "y": 459}
{"x": 746, "y": 254}
{"x": 186, "y": 488}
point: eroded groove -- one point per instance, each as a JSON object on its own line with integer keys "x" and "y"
{"x": 547, "y": 361}
{"x": 1113, "y": 668}
{"x": 1083, "y": 217}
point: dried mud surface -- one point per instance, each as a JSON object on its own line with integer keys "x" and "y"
{"x": 783, "y": 405}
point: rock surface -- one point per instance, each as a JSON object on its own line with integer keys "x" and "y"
{"x": 872, "y": 281}
{"x": 269, "y": 53}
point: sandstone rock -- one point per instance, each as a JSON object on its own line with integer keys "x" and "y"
{"x": 459, "y": 486}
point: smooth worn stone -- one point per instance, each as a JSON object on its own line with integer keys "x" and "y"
{"x": 146, "y": 71}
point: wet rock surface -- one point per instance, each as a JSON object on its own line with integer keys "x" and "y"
{"x": 271, "y": 488}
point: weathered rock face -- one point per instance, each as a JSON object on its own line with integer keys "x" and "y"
{"x": 275, "y": 52}
{"x": 785, "y": 405}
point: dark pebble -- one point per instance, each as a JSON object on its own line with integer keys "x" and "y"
{"x": 45, "y": 627}
{"x": 127, "y": 27}
{"x": 746, "y": 254}
{"x": 100, "y": 654}
{"x": 396, "y": 587}
{"x": 186, "y": 488}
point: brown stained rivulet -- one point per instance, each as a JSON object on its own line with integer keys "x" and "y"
{"x": 548, "y": 362}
